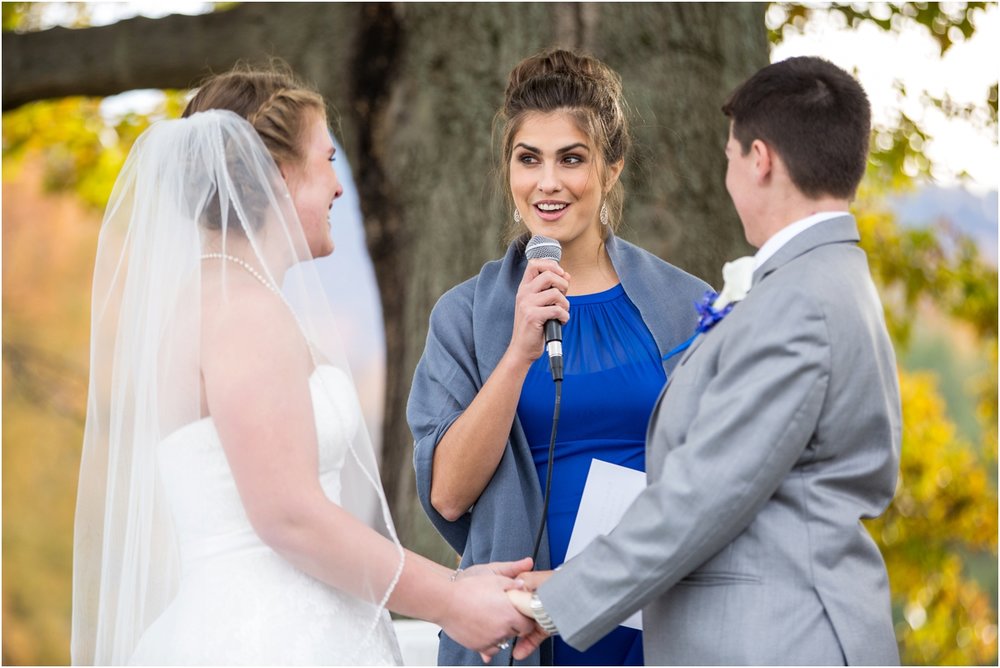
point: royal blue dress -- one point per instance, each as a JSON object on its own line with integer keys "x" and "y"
{"x": 612, "y": 378}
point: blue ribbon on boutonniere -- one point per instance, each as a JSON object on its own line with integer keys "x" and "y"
{"x": 738, "y": 277}
{"x": 708, "y": 317}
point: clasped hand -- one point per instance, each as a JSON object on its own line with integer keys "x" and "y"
{"x": 521, "y": 598}
{"x": 480, "y": 615}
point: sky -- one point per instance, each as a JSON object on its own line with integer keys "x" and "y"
{"x": 912, "y": 56}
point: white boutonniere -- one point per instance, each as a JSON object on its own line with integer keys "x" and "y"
{"x": 737, "y": 277}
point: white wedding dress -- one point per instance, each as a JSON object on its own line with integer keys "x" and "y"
{"x": 240, "y": 602}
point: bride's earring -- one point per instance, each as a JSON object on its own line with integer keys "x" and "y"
{"x": 517, "y": 216}
{"x": 604, "y": 214}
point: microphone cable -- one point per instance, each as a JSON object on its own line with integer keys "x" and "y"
{"x": 548, "y": 472}
{"x": 548, "y": 489}
{"x": 537, "y": 248}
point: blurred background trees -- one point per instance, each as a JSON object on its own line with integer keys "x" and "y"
{"x": 414, "y": 114}
{"x": 61, "y": 155}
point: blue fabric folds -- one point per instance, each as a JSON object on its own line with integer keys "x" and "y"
{"x": 613, "y": 376}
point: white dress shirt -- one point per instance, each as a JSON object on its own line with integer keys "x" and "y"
{"x": 772, "y": 245}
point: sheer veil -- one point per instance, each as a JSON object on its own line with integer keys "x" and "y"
{"x": 201, "y": 186}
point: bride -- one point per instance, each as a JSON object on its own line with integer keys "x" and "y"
{"x": 228, "y": 483}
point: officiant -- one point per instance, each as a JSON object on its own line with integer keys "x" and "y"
{"x": 481, "y": 404}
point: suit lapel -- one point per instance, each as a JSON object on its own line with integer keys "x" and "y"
{"x": 690, "y": 351}
{"x": 834, "y": 230}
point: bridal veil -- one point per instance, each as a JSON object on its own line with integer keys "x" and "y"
{"x": 204, "y": 186}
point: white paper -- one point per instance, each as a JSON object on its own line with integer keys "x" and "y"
{"x": 609, "y": 491}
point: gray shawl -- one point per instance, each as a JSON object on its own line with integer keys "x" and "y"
{"x": 470, "y": 329}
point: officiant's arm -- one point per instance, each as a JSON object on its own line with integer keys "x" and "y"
{"x": 469, "y": 452}
{"x": 752, "y": 423}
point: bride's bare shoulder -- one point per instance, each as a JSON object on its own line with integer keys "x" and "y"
{"x": 249, "y": 322}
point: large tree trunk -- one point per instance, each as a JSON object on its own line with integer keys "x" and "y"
{"x": 416, "y": 86}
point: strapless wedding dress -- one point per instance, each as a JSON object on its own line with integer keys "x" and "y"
{"x": 240, "y": 602}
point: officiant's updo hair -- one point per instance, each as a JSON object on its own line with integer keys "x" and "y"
{"x": 275, "y": 102}
{"x": 562, "y": 80}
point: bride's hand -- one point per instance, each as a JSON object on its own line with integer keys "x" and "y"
{"x": 481, "y": 617}
{"x": 508, "y": 569}
{"x": 532, "y": 579}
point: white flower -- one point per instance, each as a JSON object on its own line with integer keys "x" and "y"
{"x": 737, "y": 277}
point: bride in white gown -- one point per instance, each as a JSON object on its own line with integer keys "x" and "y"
{"x": 228, "y": 486}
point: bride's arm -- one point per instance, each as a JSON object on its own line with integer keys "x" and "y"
{"x": 256, "y": 368}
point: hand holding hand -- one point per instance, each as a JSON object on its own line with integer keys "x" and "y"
{"x": 541, "y": 296}
{"x": 508, "y": 569}
{"x": 528, "y": 643}
{"x": 481, "y": 617}
{"x": 533, "y": 579}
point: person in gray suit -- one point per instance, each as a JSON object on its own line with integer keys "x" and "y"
{"x": 778, "y": 432}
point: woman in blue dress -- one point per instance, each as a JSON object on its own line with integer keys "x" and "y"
{"x": 482, "y": 398}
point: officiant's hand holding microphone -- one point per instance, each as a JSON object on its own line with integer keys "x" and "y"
{"x": 467, "y": 455}
{"x": 541, "y": 298}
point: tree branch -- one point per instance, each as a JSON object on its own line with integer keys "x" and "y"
{"x": 144, "y": 53}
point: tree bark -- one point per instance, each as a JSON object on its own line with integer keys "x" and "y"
{"x": 415, "y": 87}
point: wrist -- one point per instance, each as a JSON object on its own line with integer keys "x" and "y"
{"x": 515, "y": 363}
{"x": 541, "y": 616}
{"x": 442, "y": 613}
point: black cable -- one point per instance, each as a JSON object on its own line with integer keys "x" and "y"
{"x": 548, "y": 473}
{"x": 548, "y": 488}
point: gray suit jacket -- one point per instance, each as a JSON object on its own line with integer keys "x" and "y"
{"x": 778, "y": 431}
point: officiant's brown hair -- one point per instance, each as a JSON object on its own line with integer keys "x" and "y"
{"x": 814, "y": 115}
{"x": 587, "y": 88}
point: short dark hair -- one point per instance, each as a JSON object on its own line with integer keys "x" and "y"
{"x": 814, "y": 115}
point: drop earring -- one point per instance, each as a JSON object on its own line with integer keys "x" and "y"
{"x": 517, "y": 216}
{"x": 604, "y": 214}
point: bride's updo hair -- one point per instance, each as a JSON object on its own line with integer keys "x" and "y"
{"x": 274, "y": 101}
{"x": 583, "y": 86}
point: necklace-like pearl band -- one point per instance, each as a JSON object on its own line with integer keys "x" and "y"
{"x": 253, "y": 272}
{"x": 270, "y": 286}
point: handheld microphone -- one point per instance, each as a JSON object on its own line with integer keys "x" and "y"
{"x": 544, "y": 248}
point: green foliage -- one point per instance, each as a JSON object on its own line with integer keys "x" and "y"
{"x": 945, "y": 508}
{"x": 12, "y": 15}
{"x": 948, "y": 23}
{"x": 944, "y": 501}
{"x": 30, "y": 16}
{"x": 897, "y": 154}
{"x": 926, "y": 263}
{"x": 83, "y": 151}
